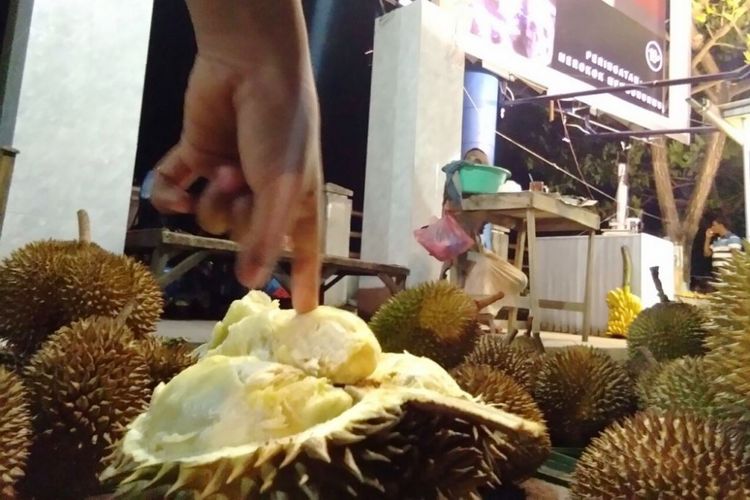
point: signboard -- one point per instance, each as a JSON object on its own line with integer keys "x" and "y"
{"x": 571, "y": 45}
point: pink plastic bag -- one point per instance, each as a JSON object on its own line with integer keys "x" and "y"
{"x": 444, "y": 238}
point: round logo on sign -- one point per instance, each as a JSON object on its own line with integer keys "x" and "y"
{"x": 654, "y": 56}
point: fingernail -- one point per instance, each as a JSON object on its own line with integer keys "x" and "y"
{"x": 252, "y": 276}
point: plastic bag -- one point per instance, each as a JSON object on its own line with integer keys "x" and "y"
{"x": 444, "y": 238}
{"x": 490, "y": 274}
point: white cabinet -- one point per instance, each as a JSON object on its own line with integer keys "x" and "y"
{"x": 562, "y": 272}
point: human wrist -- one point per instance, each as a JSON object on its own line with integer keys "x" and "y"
{"x": 252, "y": 33}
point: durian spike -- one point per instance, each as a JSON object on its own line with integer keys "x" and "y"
{"x": 84, "y": 227}
{"x": 125, "y": 312}
{"x": 482, "y": 303}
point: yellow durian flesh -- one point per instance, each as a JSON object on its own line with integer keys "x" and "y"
{"x": 253, "y": 304}
{"x": 415, "y": 372}
{"x": 230, "y": 402}
{"x": 328, "y": 342}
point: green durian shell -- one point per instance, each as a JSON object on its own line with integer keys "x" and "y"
{"x": 668, "y": 330}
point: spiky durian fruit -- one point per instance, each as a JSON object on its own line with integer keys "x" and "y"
{"x": 437, "y": 320}
{"x": 580, "y": 391}
{"x": 15, "y": 432}
{"x": 86, "y": 383}
{"x": 728, "y": 342}
{"x": 668, "y": 330}
{"x": 658, "y": 455}
{"x": 49, "y": 284}
{"x": 527, "y": 344}
{"x": 373, "y": 440}
{"x": 165, "y": 358}
{"x": 521, "y": 365}
{"x": 682, "y": 384}
{"x": 498, "y": 389}
{"x": 10, "y": 359}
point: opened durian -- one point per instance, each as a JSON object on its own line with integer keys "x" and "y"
{"x": 15, "y": 432}
{"x": 49, "y": 284}
{"x": 682, "y": 385}
{"x": 496, "y": 388}
{"x": 658, "y": 455}
{"x": 165, "y": 358}
{"x": 246, "y": 427}
{"x": 86, "y": 382}
{"x": 580, "y": 391}
{"x": 437, "y": 320}
{"x": 728, "y": 342}
{"x": 325, "y": 342}
{"x": 520, "y": 364}
{"x": 669, "y": 330}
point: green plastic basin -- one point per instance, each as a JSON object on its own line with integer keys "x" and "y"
{"x": 482, "y": 179}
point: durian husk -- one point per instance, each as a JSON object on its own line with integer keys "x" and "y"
{"x": 393, "y": 443}
{"x": 87, "y": 382}
{"x": 408, "y": 431}
{"x": 580, "y": 391}
{"x": 49, "y": 284}
{"x": 437, "y": 320}
{"x": 165, "y": 358}
{"x": 520, "y": 364}
{"x": 728, "y": 343}
{"x": 663, "y": 455}
{"x": 15, "y": 432}
{"x": 499, "y": 390}
{"x": 669, "y": 330}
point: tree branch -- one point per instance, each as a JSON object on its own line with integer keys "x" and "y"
{"x": 708, "y": 45}
{"x": 704, "y": 183}
{"x": 664, "y": 193}
{"x": 739, "y": 88}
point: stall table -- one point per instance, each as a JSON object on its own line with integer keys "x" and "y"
{"x": 166, "y": 245}
{"x": 531, "y": 213}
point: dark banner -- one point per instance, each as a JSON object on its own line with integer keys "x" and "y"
{"x": 604, "y": 43}
{"x": 599, "y": 45}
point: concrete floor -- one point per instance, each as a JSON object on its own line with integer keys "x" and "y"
{"x": 198, "y": 331}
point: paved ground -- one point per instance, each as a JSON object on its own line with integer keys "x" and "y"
{"x": 199, "y": 332}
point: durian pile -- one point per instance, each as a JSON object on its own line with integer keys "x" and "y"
{"x": 79, "y": 362}
{"x": 691, "y": 438}
{"x": 282, "y": 405}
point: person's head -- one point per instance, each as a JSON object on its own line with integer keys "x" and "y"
{"x": 719, "y": 225}
{"x": 476, "y": 155}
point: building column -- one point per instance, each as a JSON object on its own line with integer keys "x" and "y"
{"x": 414, "y": 129}
{"x": 76, "y": 125}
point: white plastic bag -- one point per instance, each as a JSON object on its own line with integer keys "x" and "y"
{"x": 490, "y": 274}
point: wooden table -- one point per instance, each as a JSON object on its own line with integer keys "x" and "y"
{"x": 166, "y": 245}
{"x": 531, "y": 213}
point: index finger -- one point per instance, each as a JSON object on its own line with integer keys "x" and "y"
{"x": 306, "y": 240}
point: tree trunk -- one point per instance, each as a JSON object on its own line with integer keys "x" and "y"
{"x": 664, "y": 194}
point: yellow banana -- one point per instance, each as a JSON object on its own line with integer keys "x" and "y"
{"x": 623, "y": 305}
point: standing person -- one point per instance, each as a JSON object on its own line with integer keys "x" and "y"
{"x": 720, "y": 243}
{"x": 251, "y": 129}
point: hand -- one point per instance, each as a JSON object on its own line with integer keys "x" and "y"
{"x": 709, "y": 233}
{"x": 253, "y": 132}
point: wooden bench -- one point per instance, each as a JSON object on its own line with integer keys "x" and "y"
{"x": 166, "y": 245}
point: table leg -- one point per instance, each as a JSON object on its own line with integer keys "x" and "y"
{"x": 159, "y": 259}
{"x": 588, "y": 287}
{"x": 518, "y": 262}
{"x": 533, "y": 285}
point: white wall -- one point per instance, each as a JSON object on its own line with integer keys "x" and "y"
{"x": 77, "y": 124}
{"x": 415, "y": 129}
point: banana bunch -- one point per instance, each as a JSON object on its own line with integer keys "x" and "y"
{"x": 623, "y": 305}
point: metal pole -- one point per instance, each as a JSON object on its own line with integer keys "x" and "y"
{"x": 746, "y": 172}
{"x": 7, "y": 159}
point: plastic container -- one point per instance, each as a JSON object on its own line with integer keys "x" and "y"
{"x": 482, "y": 179}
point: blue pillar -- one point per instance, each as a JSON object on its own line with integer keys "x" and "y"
{"x": 481, "y": 100}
